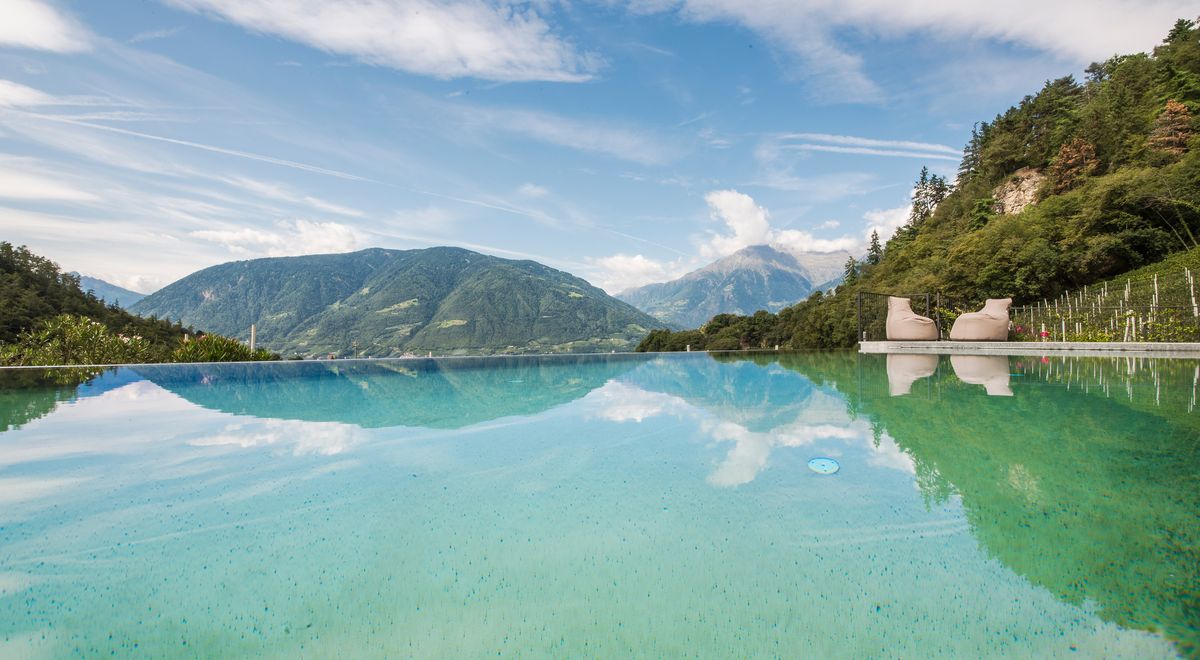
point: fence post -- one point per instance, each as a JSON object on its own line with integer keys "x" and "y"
{"x": 859, "y": 337}
{"x": 937, "y": 314}
{"x": 929, "y": 316}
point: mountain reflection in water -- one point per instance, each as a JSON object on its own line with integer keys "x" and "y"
{"x": 1080, "y": 475}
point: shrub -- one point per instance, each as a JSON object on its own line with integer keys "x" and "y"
{"x": 215, "y": 348}
{"x": 71, "y": 339}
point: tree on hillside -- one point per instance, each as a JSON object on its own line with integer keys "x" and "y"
{"x": 1182, "y": 29}
{"x": 875, "y": 251}
{"x": 1116, "y": 118}
{"x": 973, "y": 152}
{"x": 929, "y": 191}
{"x": 1075, "y": 160}
{"x": 920, "y": 207}
{"x": 1172, "y": 129}
{"x": 850, "y": 275}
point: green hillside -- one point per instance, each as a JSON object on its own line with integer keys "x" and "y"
{"x": 389, "y": 302}
{"x": 35, "y": 290}
{"x": 1078, "y": 183}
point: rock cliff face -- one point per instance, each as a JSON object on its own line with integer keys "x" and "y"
{"x": 1018, "y": 192}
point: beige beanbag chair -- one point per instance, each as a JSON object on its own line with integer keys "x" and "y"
{"x": 903, "y": 324}
{"x": 990, "y": 371}
{"x": 988, "y": 324}
{"x": 904, "y": 370}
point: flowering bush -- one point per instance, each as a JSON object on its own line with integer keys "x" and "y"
{"x": 70, "y": 339}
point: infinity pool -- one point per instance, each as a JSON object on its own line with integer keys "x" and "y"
{"x": 604, "y": 506}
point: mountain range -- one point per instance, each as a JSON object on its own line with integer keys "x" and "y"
{"x": 753, "y": 278}
{"x": 381, "y": 302}
{"x": 109, "y": 292}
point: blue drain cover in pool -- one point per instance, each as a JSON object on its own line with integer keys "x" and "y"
{"x": 823, "y": 465}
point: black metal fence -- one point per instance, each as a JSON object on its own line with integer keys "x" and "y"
{"x": 873, "y": 308}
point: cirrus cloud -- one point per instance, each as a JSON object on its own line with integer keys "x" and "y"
{"x": 16, "y": 95}
{"x": 814, "y": 31}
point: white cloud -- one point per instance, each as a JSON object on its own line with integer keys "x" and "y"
{"x": 829, "y": 224}
{"x": 23, "y": 179}
{"x": 794, "y": 240}
{"x": 208, "y": 147}
{"x": 329, "y": 207}
{"x": 749, "y": 222}
{"x": 532, "y": 191}
{"x": 777, "y": 164}
{"x": 618, "y": 141}
{"x": 622, "y": 272}
{"x": 283, "y": 193}
{"x": 855, "y": 141}
{"x": 464, "y": 38}
{"x": 302, "y": 438}
{"x": 146, "y": 284}
{"x": 751, "y": 225}
{"x": 38, "y": 25}
{"x": 152, "y": 35}
{"x": 886, "y": 221}
{"x": 288, "y": 239}
{"x": 1079, "y": 31}
{"x": 424, "y": 219}
{"x": 16, "y": 95}
{"x": 751, "y": 451}
{"x": 792, "y": 27}
{"x": 622, "y": 402}
{"x": 772, "y": 148}
{"x": 868, "y": 151}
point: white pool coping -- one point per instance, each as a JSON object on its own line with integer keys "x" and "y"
{"x": 1091, "y": 349}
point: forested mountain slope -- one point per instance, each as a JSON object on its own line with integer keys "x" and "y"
{"x": 1078, "y": 183}
{"x": 387, "y": 302}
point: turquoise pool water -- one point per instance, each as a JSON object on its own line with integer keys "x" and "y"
{"x": 604, "y": 506}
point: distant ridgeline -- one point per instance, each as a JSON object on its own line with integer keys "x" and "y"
{"x": 755, "y": 277}
{"x": 380, "y": 303}
{"x": 34, "y": 290}
{"x": 1076, "y": 184}
{"x": 108, "y": 292}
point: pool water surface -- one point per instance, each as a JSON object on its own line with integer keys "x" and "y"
{"x": 645, "y": 505}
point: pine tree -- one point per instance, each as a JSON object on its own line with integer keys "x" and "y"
{"x": 928, "y": 192}
{"x": 1172, "y": 129}
{"x": 973, "y": 152}
{"x": 939, "y": 189}
{"x": 850, "y": 276}
{"x": 920, "y": 203}
{"x": 875, "y": 251}
{"x": 1182, "y": 29}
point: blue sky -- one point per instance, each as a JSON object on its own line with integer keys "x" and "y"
{"x": 625, "y": 142}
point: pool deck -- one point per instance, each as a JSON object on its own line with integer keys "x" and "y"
{"x": 1091, "y": 349}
